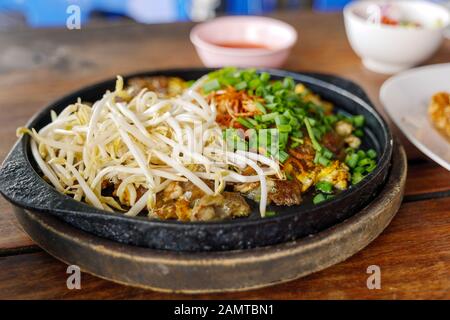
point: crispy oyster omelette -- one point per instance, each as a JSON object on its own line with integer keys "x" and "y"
{"x": 439, "y": 112}
{"x": 202, "y": 150}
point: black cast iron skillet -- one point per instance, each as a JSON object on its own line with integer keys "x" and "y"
{"x": 22, "y": 185}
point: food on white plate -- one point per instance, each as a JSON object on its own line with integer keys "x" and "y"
{"x": 202, "y": 150}
{"x": 439, "y": 112}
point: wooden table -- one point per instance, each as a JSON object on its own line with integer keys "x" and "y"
{"x": 38, "y": 66}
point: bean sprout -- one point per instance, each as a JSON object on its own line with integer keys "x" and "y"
{"x": 142, "y": 144}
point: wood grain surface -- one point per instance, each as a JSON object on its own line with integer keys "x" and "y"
{"x": 38, "y": 66}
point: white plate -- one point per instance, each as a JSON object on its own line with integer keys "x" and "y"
{"x": 406, "y": 97}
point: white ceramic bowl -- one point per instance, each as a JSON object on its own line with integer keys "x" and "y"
{"x": 274, "y": 37}
{"x": 390, "y": 49}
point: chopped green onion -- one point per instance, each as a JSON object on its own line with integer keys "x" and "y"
{"x": 288, "y": 83}
{"x": 260, "y": 107}
{"x": 357, "y": 177}
{"x": 299, "y": 112}
{"x": 298, "y": 140}
{"x": 295, "y": 144}
{"x": 372, "y": 154}
{"x": 241, "y": 86}
{"x": 351, "y": 160}
{"x": 349, "y": 150}
{"x": 364, "y": 162}
{"x": 245, "y": 122}
{"x": 324, "y": 186}
{"x": 252, "y": 121}
{"x": 271, "y": 106}
{"x": 314, "y": 142}
{"x": 284, "y": 128}
{"x": 269, "y": 117}
{"x": 323, "y": 161}
{"x": 282, "y": 156}
{"x": 331, "y": 119}
{"x": 264, "y": 76}
{"x": 283, "y": 138}
{"x": 269, "y": 98}
{"x": 359, "y": 133}
{"x": 359, "y": 169}
{"x": 372, "y": 167}
{"x": 318, "y": 198}
{"x": 316, "y": 157}
{"x": 289, "y": 112}
{"x": 280, "y": 119}
{"x": 312, "y": 122}
{"x": 358, "y": 121}
{"x": 317, "y": 133}
{"x": 294, "y": 123}
{"x": 254, "y": 83}
{"x": 270, "y": 214}
{"x": 259, "y": 91}
{"x": 327, "y": 153}
{"x": 211, "y": 86}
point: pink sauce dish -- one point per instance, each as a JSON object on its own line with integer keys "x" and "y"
{"x": 243, "y": 41}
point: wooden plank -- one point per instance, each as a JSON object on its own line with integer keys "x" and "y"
{"x": 427, "y": 177}
{"x": 11, "y": 234}
{"x": 413, "y": 254}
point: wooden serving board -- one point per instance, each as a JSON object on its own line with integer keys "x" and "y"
{"x": 219, "y": 271}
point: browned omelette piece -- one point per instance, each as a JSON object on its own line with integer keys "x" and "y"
{"x": 439, "y": 112}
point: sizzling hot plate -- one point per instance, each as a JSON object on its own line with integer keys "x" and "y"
{"x": 22, "y": 185}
